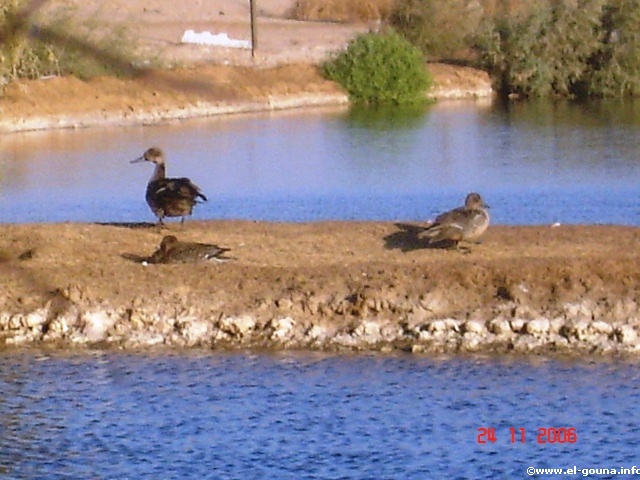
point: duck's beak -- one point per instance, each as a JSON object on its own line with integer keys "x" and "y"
{"x": 138, "y": 160}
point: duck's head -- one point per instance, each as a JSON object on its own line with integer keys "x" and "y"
{"x": 474, "y": 200}
{"x": 167, "y": 243}
{"x": 153, "y": 155}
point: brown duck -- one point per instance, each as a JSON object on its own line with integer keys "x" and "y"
{"x": 168, "y": 197}
{"x": 172, "y": 250}
{"x": 466, "y": 223}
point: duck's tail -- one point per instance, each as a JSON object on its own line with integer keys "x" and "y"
{"x": 219, "y": 255}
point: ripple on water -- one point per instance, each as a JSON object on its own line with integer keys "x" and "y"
{"x": 306, "y": 416}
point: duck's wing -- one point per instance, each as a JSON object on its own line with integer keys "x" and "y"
{"x": 449, "y": 225}
{"x": 191, "y": 252}
{"x": 180, "y": 188}
{"x": 208, "y": 251}
{"x": 440, "y": 232}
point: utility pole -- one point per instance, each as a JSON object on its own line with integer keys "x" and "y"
{"x": 254, "y": 28}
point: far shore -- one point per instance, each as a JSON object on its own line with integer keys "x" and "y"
{"x": 200, "y": 91}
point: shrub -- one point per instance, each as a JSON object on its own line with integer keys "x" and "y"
{"x": 544, "y": 51}
{"x": 614, "y": 67}
{"x": 381, "y": 69}
{"x": 20, "y": 56}
{"x": 30, "y": 49}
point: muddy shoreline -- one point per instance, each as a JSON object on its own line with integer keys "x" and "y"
{"x": 326, "y": 286}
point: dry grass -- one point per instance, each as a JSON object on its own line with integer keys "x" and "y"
{"x": 493, "y": 8}
{"x": 344, "y": 11}
{"x": 349, "y": 11}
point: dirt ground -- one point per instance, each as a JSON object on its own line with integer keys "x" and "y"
{"x": 339, "y": 272}
{"x": 340, "y": 276}
{"x": 526, "y": 266}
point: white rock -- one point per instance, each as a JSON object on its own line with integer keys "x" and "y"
{"x": 500, "y": 327}
{"x": 16, "y": 322}
{"x": 442, "y": 326}
{"x": 58, "y": 326}
{"x": 282, "y": 328}
{"x": 517, "y": 324}
{"x": 601, "y": 328}
{"x": 474, "y": 326}
{"x": 626, "y": 334}
{"x": 238, "y": 325}
{"x": 538, "y": 327}
{"x": 581, "y": 330}
{"x": 195, "y": 330}
{"x": 17, "y": 340}
{"x": 316, "y": 332}
{"x": 96, "y": 325}
{"x": 36, "y": 318}
{"x": 367, "y": 328}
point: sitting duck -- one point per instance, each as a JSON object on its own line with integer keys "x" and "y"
{"x": 466, "y": 223}
{"x": 172, "y": 250}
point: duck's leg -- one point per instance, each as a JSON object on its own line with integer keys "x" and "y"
{"x": 182, "y": 223}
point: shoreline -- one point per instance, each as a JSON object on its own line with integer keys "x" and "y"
{"x": 108, "y": 330}
{"x": 325, "y": 286}
{"x": 202, "y": 91}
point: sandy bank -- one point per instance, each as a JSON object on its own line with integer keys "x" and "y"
{"x": 325, "y": 286}
{"x": 198, "y": 91}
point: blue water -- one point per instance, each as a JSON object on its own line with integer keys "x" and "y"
{"x": 535, "y": 163}
{"x": 293, "y": 416}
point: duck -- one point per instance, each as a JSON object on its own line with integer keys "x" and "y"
{"x": 171, "y": 250}
{"x": 466, "y": 223}
{"x": 168, "y": 197}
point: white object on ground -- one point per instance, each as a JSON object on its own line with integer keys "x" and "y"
{"x": 207, "y": 38}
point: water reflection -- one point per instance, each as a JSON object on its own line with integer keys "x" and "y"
{"x": 383, "y": 118}
{"x": 535, "y": 162}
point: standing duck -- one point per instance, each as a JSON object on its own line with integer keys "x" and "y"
{"x": 466, "y": 223}
{"x": 171, "y": 250}
{"x": 168, "y": 197}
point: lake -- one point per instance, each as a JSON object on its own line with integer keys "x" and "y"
{"x": 296, "y": 415}
{"x": 534, "y": 163}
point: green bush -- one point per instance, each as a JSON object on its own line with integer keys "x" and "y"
{"x": 544, "y": 51}
{"x": 565, "y": 48}
{"x": 379, "y": 69}
{"x": 615, "y": 67}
